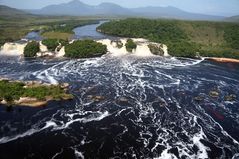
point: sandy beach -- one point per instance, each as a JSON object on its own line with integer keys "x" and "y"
{"x": 223, "y": 60}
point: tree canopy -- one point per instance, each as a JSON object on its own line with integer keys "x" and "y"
{"x": 85, "y": 49}
{"x": 130, "y": 45}
{"x": 31, "y": 49}
{"x": 183, "y": 38}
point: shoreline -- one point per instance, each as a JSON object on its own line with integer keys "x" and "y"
{"x": 33, "y": 101}
{"x": 222, "y": 59}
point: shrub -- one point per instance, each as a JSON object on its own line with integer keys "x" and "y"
{"x": 183, "y": 49}
{"x": 231, "y": 36}
{"x": 85, "y": 49}
{"x": 119, "y": 43}
{"x": 63, "y": 42}
{"x": 31, "y": 49}
{"x": 130, "y": 45}
{"x": 51, "y": 44}
{"x": 155, "y": 49}
{"x": 11, "y": 91}
{"x": 183, "y": 38}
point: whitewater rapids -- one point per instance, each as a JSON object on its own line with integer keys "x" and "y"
{"x": 148, "y": 110}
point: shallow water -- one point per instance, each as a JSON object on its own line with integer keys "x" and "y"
{"x": 34, "y": 35}
{"x": 81, "y": 32}
{"x": 148, "y": 110}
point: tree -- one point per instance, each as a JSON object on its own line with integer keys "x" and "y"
{"x": 51, "y": 44}
{"x": 85, "y": 49}
{"x": 130, "y": 45}
{"x": 31, "y": 49}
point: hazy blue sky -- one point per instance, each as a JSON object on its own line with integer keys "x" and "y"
{"x": 216, "y": 7}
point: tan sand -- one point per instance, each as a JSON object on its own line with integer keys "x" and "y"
{"x": 224, "y": 60}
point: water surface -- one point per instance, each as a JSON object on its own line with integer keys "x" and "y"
{"x": 89, "y": 31}
{"x": 147, "y": 109}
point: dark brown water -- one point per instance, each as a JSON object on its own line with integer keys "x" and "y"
{"x": 146, "y": 110}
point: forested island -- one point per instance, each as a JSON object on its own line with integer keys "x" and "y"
{"x": 183, "y": 38}
{"x": 85, "y": 49}
{"x": 33, "y": 94}
{"x": 77, "y": 49}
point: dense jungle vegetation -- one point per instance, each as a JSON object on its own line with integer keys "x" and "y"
{"x": 183, "y": 38}
{"x": 85, "y": 49}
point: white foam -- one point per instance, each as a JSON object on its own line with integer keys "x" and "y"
{"x": 79, "y": 155}
{"x": 202, "y": 153}
{"x": 43, "y": 48}
{"x": 61, "y": 53}
{"x": 57, "y": 154}
{"x": 166, "y": 155}
{"x": 12, "y": 49}
{"x": 27, "y": 133}
{"x": 97, "y": 116}
{"x": 141, "y": 50}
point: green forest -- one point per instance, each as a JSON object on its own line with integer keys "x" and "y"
{"x": 85, "y": 49}
{"x": 31, "y": 49}
{"x": 130, "y": 45}
{"x": 11, "y": 91}
{"x": 52, "y": 44}
{"x": 13, "y": 29}
{"x": 183, "y": 38}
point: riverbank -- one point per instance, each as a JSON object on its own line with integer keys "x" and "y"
{"x": 49, "y": 27}
{"x": 31, "y": 93}
{"x": 223, "y": 60}
{"x": 183, "y": 38}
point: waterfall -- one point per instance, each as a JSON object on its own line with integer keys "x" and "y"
{"x": 13, "y": 49}
{"x": 141, "y": 50}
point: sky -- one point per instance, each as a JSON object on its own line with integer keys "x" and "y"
{"x": 213, "y": 7}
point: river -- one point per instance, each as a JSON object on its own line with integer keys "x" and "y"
{"x": 146, "y": 109}
{"x": 82, "y": 32}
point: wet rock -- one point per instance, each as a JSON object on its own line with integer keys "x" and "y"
{"x": 33, "y": 84}
{"x": 31, "y": 102}
{"x": 4, "y": 102}
{"x": 162, "y": 103}
{"x": 156, "y": 49}
{"x": 68, "y": 97}
{"x": 230, "y": 98}
{"x": 213, "y": 94}
{"x": 4, "y": 79}
{"x": 65, "y": 85}
{"x": 199, "y": 98}
{"x": 99, "y": 98}
{"x": 96, "y": 98}
{"x": 123, "y": 99}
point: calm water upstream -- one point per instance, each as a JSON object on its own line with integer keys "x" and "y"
{"x": 147, "y": 109}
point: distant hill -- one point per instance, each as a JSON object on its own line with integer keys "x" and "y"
{"x": 8, "y": 12}
{"x": 78, "y": 8}
{"x": 173, "y": 12}
{"x": 111, "y": 8}
{"x": 233, "y": 19}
